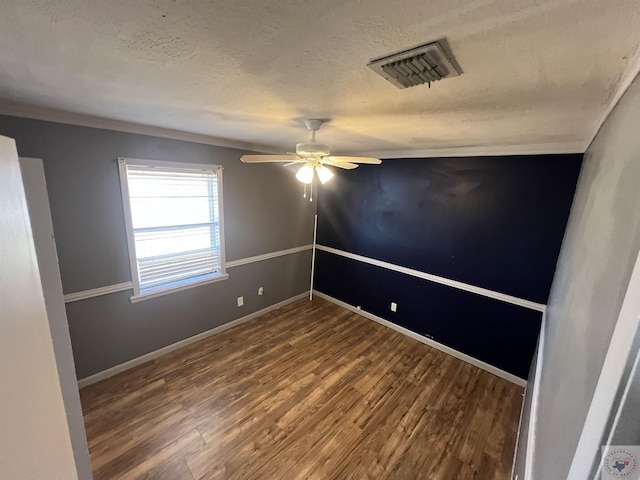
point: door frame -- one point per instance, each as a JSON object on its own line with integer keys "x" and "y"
{"x": 609, "y": 381}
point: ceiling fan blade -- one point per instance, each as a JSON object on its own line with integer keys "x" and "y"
{"x": 295, "y": 162}
{"x": 369, "y": 160}
{"x": 345, "y": 165}
{"x": 269, "y": 158}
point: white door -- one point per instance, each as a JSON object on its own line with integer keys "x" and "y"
{"x": 35, "y": 189}
{"x": 35, "y": 442}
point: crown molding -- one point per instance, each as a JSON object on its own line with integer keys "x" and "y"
{"x": 70, "y": 118}
{"x": 625, "y": 81}
{"x": 480, "y": 151}
{"x": 78, "y": 119}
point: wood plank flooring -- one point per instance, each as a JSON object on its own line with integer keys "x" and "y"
{"x": 308, "y": 391}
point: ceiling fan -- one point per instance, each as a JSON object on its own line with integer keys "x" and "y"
{"x": 314, "y": 158}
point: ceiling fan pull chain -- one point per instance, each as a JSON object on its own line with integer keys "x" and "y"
{"x": 311, "y": 192}
{"x": 304, "y": 190}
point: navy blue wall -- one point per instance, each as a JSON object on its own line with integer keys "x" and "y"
{"x": 492, "y": 222}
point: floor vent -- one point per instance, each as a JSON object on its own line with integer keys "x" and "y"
{"x": 418, "y": 66}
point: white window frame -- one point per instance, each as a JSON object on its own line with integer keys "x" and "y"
{"x": 131, "y": 244}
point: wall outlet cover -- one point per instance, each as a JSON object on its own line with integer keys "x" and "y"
{"x": 394, "y": 306}
{"x": 260, "y": 291}
{"x": 240, "y": 301}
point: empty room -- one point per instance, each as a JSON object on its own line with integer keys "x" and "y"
{"x": 320, "y": 240}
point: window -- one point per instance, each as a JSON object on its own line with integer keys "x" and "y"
{"x": 173, "y": 215}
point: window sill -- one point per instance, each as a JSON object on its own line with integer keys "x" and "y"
{"x": 177, "y": 288}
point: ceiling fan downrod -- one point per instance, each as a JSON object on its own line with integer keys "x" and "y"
{"x": 314, "y": 125}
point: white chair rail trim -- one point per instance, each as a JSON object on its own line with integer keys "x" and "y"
{"x": 120, "y": 287}
{"x": 539, "y": 307}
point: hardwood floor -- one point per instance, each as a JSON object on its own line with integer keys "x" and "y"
{"x": 308, "y": 391}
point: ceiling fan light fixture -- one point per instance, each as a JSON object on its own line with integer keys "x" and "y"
{"x": 305, "y": 174}
{"x": 324, "y": 174}
{"x": 312, "y": 156}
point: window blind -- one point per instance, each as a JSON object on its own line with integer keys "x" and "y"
{"x": 175, "y": 219}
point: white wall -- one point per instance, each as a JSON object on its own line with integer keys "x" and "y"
{"x": 34, "y": 436}
{"x": 600, "y": 246}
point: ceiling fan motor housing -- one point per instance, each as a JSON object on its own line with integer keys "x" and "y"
{"x": 312, "y": 149}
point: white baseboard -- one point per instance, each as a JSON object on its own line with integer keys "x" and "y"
{"x": 110, "y": 372}
{"x": 182, "y": 343}
{"x": 432, "y": 343}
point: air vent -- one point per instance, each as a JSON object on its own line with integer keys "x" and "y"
{"x": 425, "y": 64}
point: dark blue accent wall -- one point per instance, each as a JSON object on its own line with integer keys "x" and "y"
{"x": 491, "y": 222}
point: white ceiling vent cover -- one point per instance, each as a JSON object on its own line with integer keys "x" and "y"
{"x": 425, "y": 64}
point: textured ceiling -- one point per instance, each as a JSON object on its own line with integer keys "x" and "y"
{"x": 536, "y": 73}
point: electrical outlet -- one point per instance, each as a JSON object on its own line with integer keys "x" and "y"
{"x": 240, "y": 301}
{"x": 394, "y": 306}
{"x": 260, "y": 291}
